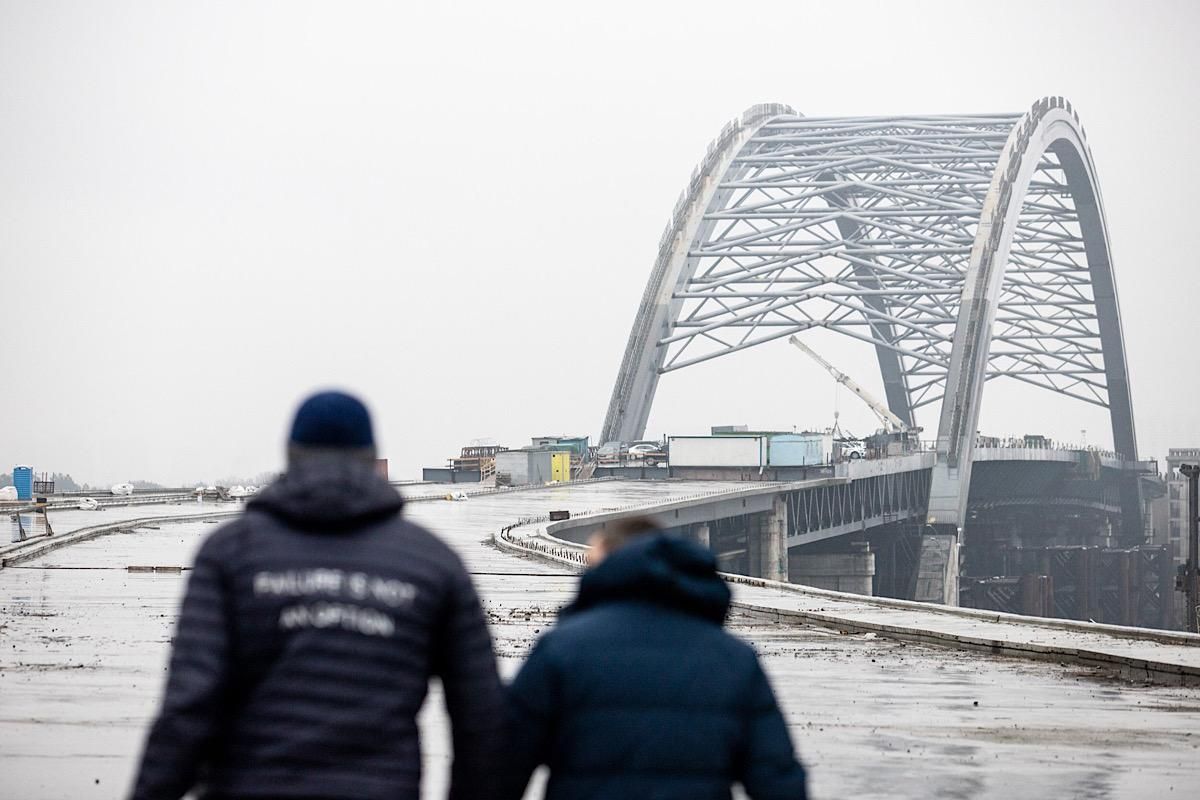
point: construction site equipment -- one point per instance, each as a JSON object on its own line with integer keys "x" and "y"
{"x": 891, "y": 422}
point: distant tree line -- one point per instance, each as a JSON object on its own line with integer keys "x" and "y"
{"x": 261, "y": 479}
{"x": 62, "y": 481}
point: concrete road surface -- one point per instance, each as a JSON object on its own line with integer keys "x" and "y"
{"x": 83, "y": 645}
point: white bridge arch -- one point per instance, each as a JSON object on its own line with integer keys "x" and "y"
{"x": 962, "y": 247}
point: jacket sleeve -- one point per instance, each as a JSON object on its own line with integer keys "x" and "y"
{"x": 768, "y": 764}
{"x": 186, "y": 727}
{"x": 530, "y": 726}
{"x": 466, "y": 665}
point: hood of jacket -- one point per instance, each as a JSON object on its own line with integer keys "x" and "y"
{"x": 662, "y": 570}
{"x": 332, "y": 494}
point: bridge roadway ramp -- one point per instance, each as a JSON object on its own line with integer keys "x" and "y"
{"x": 1166, "y": 657}
{"x": 83, "y": 644}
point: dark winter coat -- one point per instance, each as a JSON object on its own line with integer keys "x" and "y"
{"x": 309, "y": 632}
{"x": 639, "y": 692}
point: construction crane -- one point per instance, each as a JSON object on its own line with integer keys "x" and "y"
{"x": 891, "y": 423}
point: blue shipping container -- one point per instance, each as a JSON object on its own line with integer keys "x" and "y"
{"x": 23, "y": 481}
{"x": 798, "y": 449}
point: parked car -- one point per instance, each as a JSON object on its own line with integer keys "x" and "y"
{"x": 610, "y": 453}
{"x": 648, "y": 453}
{"x": 852, "y": 449}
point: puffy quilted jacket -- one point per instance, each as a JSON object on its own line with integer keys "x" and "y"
{"x": 308, "y": 635}
{"x": 640, "y": 693}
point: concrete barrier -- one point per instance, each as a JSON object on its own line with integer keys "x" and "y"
{"x": 506, "y": 489}
{"x": 32, "y": 548}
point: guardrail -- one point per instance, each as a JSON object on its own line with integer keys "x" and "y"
{"x": 102, "y": 500}
{"x": 508, "y": 489}
{"x": 136, "y": 492}
{"x": 567, "y": 554}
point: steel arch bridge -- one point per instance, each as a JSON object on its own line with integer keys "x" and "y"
{"x": 962, "y": 247}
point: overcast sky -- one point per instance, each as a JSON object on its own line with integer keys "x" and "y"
{"x": 209, "y": 209}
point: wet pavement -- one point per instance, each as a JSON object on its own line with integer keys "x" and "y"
{"x": 83, "y": 645}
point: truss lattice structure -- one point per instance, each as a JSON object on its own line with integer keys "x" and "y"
{"x": 962, "y": 247}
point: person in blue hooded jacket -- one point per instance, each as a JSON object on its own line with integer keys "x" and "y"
{"x": 310, "y": 630}
{"x": 639, "y": 692}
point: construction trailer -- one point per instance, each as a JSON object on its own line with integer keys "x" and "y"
{"x": 751, "y": 449}
{"x": 532, "y": 466}
{"x": 799, "y": 449}
{"x": 717, "y": 451}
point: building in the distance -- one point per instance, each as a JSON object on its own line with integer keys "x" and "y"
{"x": 1177, "y": 500}
{"x": 1166, "y": 498}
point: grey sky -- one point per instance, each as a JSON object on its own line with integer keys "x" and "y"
{"x": 207, "y": 210}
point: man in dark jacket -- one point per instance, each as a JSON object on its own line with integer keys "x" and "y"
{"x": 640, "y": 693}
{"x": 308, "y": 635}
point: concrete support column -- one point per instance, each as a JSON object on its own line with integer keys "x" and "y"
{"x": 754, "y": 542}
{"x": 766, "y": 542}
{"x": 701, "y": 535}
{"x": 774, "y": 563}
{"x": 937, "y": 571}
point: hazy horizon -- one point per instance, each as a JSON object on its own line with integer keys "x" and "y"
{"x": 209, "y": 210}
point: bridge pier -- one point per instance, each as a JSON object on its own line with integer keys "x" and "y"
{"x": 767, "y": 542}
{"x": 937, "y": 570}
{"x": 701, "y": 535}
{"x": 851, "y": 572}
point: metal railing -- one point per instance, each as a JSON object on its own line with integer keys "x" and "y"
{"x": 1042, "y": 443}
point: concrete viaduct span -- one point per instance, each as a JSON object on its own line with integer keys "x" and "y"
{"x": 962, "y": 247}
{"x": 766, "y": 529}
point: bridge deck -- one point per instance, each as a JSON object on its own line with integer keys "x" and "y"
{"x": 84, "y": 642}
{"x": 1164, "y": 656}
{"x": 1136, "y": 653}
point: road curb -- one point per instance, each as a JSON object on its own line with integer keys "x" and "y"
{"x": 1160, "y": 672}
{"x": 24, "y": 551}
{"x": 1177, "y": 638}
